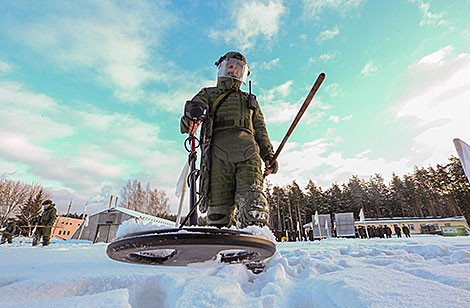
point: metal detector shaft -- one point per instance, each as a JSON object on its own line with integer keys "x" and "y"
{"x": 299, "y": 115}
{"x": 192, "y": 187}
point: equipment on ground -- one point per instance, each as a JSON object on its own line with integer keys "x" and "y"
{"x": 183, "y": 246}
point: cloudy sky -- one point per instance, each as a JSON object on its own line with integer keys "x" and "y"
{"x": 91, "y": 92}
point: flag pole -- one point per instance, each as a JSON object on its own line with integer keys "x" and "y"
{"x": 83, "y": 224}
{"x": 363, "y": 220}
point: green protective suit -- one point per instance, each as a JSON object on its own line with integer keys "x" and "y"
{"x": 234, "y": 143}
{"x": 8, "y": 232}
{"x": 46, "y": 221}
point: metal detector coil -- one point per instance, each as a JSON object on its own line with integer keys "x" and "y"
{"x": 183, "y": 246}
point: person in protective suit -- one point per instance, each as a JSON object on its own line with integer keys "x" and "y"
{"x": 45, "y": 223}
{"x": 9, "y": 231}
{"x": 234, "y": 142}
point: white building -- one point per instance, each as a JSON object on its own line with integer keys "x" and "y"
{"x": 102, "y": 226}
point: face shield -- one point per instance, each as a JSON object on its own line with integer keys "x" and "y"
{"x": 233, "y": 68}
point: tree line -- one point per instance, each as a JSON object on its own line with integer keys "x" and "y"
{"x": 145, "y": 199}
{"x": 438, "y": 192}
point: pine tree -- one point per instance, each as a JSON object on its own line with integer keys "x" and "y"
{"x": 355, "y": 195}
{"x": 30, "y": 210}
{"x": 315, "y": 200}
{"x": 460, "y": 186}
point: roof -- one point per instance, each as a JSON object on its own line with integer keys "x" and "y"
{"x": 403, "y": 220}
{"x": 140, "y": 215}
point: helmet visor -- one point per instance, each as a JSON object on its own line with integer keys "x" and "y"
{"x": 233, "y": 68}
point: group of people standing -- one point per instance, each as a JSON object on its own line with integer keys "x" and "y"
{"x": 42, "y": 225}
{"x": 382, "y": 231}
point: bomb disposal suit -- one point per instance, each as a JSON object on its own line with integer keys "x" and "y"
{"x": 233, "y": 141}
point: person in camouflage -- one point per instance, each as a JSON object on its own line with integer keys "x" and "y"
{"x": 45, "y": 223}
{"x": 234, "y": 140}
{"x": 406, "y": 230}
{"x": 9, "y": 231}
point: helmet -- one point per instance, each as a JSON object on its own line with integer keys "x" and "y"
{"x": 233, "y": 65}
{"x": 47, "y": 202}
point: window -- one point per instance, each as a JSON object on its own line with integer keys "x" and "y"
{"x": 412, "y": 227}
{"x": 447, "y": 224}
{"x": 60, "y": 231}
{"x": 68, "y": 232}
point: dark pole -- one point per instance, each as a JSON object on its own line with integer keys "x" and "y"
{"x": 279, "y": 212}
{"x": 192, "y": 188}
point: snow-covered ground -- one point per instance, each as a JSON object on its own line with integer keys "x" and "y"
{"x": 422, "y": 271}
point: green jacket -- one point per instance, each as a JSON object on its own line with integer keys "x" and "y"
{"x": 11, "y": 228}
{"x": 234, "y": 133}
{"x": 48, "y": 217}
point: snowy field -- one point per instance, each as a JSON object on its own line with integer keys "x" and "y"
{"x": 422, "y": 271}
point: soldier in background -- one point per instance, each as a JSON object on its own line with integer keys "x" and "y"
{"x": 362, "y": 232}
{"x": 374, "y": 233}
{"x": 381, "y": 231}
{"x": 388, "y": 232}
{"x": 45, "y": 223}
{"x": 9, "y": 231}
{"x": 397, "y": 231}
{"x": 406, "y": 230}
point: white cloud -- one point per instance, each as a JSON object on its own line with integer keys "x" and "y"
{"x": 429, "y": 18}
{"x": 325, "y": 57}
{"x": 80, "y": 150}
{"x": 267, "y": 65}
{"x": 436, "y": 57}
{"x": 336, "y": 119}
{"x": 314, "y": 8}
{"x": 315, "y": 161}
{"x": 280, "y": 91}
{"x": 277, "y": 105}
{"x": 436, "y": 101}
{"x": 253, "y": 19}
{"x": 113, "y": 43}
{"x": 327, "y": 35}
{"x": 334, "y": 90}
{"x": 437, "y": 96}
{"x": 5, "y": 68}
{"x": 368, "y": 69}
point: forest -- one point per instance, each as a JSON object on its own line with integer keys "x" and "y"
{"x": 440, "y": 191}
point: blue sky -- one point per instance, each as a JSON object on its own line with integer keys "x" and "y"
{"x": 91, "y": 92}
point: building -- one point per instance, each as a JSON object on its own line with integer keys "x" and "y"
{"x": 417, "y": 225}
{"x": 65, "y": 227}
{"x": 102, "y": 226}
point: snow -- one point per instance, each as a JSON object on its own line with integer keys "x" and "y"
{"x": 422, "y": 271}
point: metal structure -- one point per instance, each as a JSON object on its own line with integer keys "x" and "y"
{"x": 345, "y": 224}
{"x": 102, "y": 226}
{"x": 325, "y": 227}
